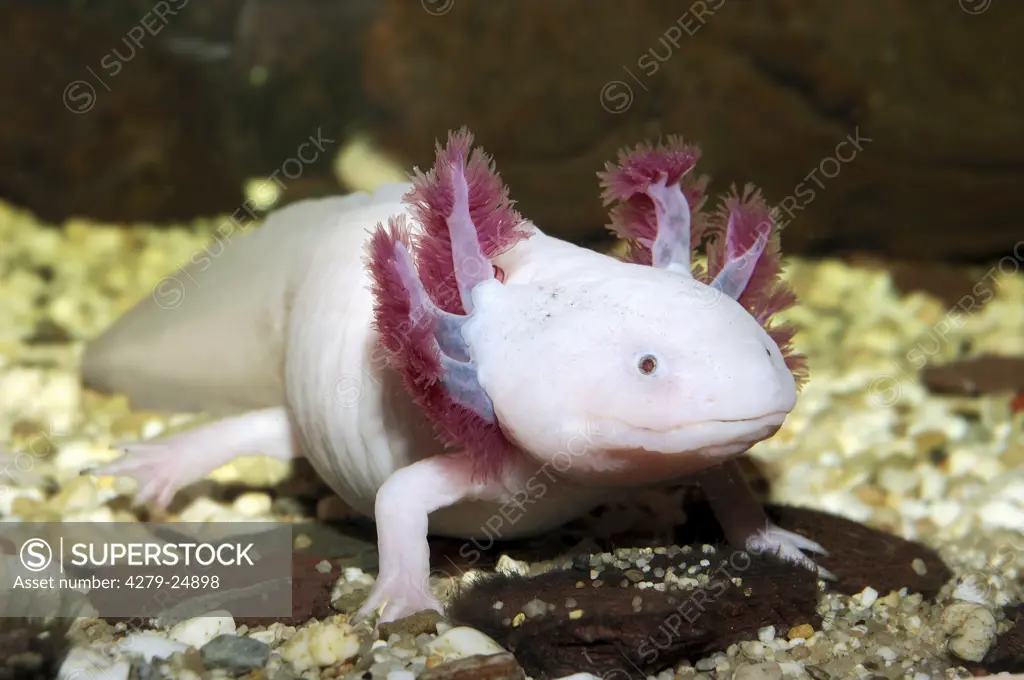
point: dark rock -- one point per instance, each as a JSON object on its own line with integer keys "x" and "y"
{"x": 169, "y": 127}
{"x": 235, "y": 653}
{"x": 862, "y": 556}
{"x": 88, "y": 133}
{"x": 421, "y": 622}
{"x": 769, "y": 89}
{"x": 981, "y": 375}
{"x": 477, "y": 667}
{"x": 610, "y": 636}
{"x": 602, "y": 628}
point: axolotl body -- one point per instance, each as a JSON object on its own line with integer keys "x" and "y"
{"x": 436, "y": 357}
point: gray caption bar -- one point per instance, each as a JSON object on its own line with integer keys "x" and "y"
{"x": 147, "y": 569}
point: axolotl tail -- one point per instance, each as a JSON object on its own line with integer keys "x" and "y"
{"x": 209, "y": 336}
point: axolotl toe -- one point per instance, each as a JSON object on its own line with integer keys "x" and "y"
{"x": 439, "y": 359}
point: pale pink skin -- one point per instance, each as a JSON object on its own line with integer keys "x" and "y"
{"x": 274, "y": 333}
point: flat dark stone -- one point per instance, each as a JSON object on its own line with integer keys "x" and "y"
{"x": 863, "y": 557}
{"x": 982, "y": 375}
{"x": 609, "y": 636}
{"x": 605, "y": 630}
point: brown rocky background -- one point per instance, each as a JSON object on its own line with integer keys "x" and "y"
{"x": 769, "y": 88}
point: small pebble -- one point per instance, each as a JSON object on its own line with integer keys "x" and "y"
{"x": 235, "y": 654}
{"x": 90, "y": 664}
{"x": 464, "y": 641}
{"x": 762, "y": 671}
{"x": 804, "y": 630}
{"x": 321, "y": 643}
{"x": 401, "y": 675}
{"x": 252, "y": 504}
{"x": 150, "y": 646}
{"x": 865, "y": 598}
{"x": 501, "y": 666}
{"x": 971, "y": 629}
{"x": 198, "y": 631}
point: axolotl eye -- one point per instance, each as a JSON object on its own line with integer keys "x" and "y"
{"x": 648, "y": 364}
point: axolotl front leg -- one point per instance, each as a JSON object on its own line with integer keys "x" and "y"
{"x": 407, "y": 498}
{"x": 745, "y": 523}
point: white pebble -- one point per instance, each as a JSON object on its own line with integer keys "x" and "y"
{"x": 1002, "y": 514}
{"x": 150, "y": 646}
{"x": 401, "y": 675}
{"x": 252, "y": 504}
{"x": 971, "y": 589}
{"x": 87, "y": 663}
{"x": 971, "y": 629}
{"x": 762, "y": 671}
{"x": 865, "y": 598}
{"x": 507, "y": 565}
{"x": 203, "y": 509}
{"x": 321, "y": 644}
{"x": 463, "y": 641}
{"x": 766, "y": 634}
{"x": 198, "y": 631}
{"x": 945, "y": 512}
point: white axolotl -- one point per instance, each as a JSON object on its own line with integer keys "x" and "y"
{"x": 436, "y": 357}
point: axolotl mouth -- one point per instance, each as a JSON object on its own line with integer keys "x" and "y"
{"x": 626, "y": 454}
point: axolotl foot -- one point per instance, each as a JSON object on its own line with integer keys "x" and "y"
{"x": 745, "y": 522}
{"x": 790, "y": 547}
{"x": 402, "y": 507}
{"x": 402, "y": 594}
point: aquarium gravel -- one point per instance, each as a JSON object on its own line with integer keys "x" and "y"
{"x": 867, "y": 441}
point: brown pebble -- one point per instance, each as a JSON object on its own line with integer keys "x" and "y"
{"x": 502, "y": 666}
{"x": 433, "y": 661}
{"x": 25, "y": 429}
{"x": 804, "y": 630}
{"x": 421, "y": 622}
{"x": 869, "y": 494}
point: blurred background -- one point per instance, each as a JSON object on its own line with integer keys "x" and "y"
{"x": 890, "y": 129}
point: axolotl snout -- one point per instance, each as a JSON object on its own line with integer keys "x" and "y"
{"x": 433, "y": 354}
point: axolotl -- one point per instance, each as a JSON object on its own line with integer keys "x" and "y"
{"x": 436, "y": 356}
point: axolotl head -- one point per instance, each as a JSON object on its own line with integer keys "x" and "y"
{"x": 614, "y": 370}
{"x": 627, "y": 372}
